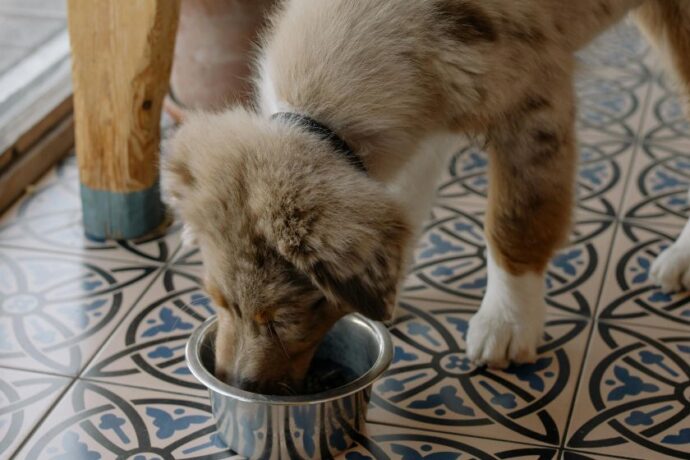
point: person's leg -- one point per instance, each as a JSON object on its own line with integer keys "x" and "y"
{"x": 214, "y": 52}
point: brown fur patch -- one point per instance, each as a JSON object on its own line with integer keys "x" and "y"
{"x": 526, "y": 32}
{"x": 523, "y": 238}
{"x": 605, "y": 8}
{"x": 466, "y": 22}
{"x": 531, "y": 183}
{"x": 546, "y": 146}
{"x": 262, "y": 317}
{"x": 534, "y": 103}
{"x": 182, "y": 171}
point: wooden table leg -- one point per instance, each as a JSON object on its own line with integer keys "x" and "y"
{"x": 121, "y": 58}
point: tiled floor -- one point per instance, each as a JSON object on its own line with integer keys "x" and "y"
{"x": 92, "y": 334}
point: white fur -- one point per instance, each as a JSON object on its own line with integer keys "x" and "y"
{"x": 510, "y": 321}
{"x": 671, "y": 269}
{"x": 416, "y": 184}
{"x": 188, "y": 238}
{"x": 269, "y": 101}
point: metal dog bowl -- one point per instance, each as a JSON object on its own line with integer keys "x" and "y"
{"x": 311, "y": 426}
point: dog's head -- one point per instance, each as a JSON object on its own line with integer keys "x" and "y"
{"x": 292, "y": 238}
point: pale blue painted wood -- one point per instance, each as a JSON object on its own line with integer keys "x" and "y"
{"x": 117, "y": 215}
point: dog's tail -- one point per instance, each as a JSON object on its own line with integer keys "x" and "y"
{"x": 667, "y": 25}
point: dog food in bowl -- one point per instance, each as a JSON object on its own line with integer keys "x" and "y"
{"x": 325, "y": 374}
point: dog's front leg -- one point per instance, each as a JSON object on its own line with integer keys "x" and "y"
{"x": 532, "y": 166}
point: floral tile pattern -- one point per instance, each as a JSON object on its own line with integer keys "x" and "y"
{"x": 96, "y": 421}
{"x": 49, "y": 218}
{"x": 621, "y": 49}
{"x": 112, "y": 421}
{"x": 56, "y": 310}
{"x": 92, "y": 334}
{"x": 629, "y": 295}
{"x": 662, "y": 169}
{"x": 24, "y": 398}
{"x": 432, "y": 385}
{"x": 635, "y": 392}
{"x": 148, "y": 348}
{"x": 384, "y": 442}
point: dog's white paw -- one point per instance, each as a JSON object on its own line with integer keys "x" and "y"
{"x": 497, "y": 339}
{"x": 671, "y": 269}
{"x": 510, "y": 322}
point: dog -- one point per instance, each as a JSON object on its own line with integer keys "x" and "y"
{"x": 307, "y": 205}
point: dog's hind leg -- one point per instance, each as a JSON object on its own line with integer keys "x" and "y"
{"x": 532, "y": 168}
{"x": 667, "y": 24}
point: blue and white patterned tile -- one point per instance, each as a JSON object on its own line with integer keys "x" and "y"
{"x": 147, "y": 349}
{"x": 634, "y": 398}
{"x": 629, "y": 295}
{"x": 620, "y": 49}
{"x": 49, "y": 218}
{"x": 603, "y": 165}
{"x": 104, "y": 421}
{"x": 450, "y": 262}
{"x": 188, "y": 259}
{"x": 383, "y": 442}
{"x": 25, "y": 397}
{"x": 100, "y": 421}
{"x": 610, "y": 106}
{"x": 612, "y": 80}
{"x": 432, "y": 385}
{"x": 669, "y": 121}
{"x": 57, "y": 310}
{"x": 658, "y": 191}
{"x": 465, "y": 180}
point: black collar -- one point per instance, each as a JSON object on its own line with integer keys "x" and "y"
{"x": 325, "y": 133}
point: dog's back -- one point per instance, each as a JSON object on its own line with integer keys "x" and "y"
{"x": 390, "y": 69}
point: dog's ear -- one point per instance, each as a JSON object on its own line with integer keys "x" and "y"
{"x": 349, "y": 237}
{"x": 370, "y": 285}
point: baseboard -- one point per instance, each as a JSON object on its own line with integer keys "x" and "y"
{"x": 33, "y": 163}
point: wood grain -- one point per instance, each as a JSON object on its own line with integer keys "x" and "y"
{"x": 36, "y": 161}
{"x": 121, "y": 59}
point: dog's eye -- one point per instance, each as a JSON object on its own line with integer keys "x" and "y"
{"x": 236, "y": 308}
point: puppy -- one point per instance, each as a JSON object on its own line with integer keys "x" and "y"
{"x": 307, "y": 206}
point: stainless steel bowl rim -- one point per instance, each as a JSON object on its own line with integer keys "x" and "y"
{"x": 197, "y": 368}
